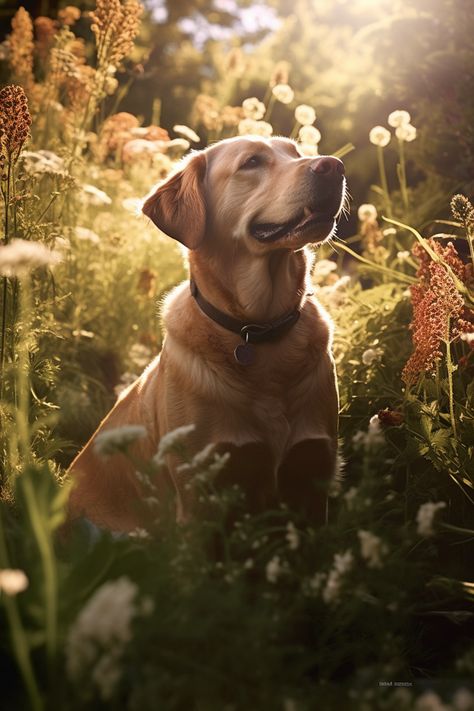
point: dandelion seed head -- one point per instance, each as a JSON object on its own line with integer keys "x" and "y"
{"x": 406, "y": 132}
{"x": 309, "y": 135}
{"x": 253, "y": 108}
{"x": 305, "y": 115}
{"x": 283, "y": 93}
{"x": 12, "y": 581}
{"x": 399, "y": 118}
{"x": 187, "y": 132}
{"x": 379, "y": 136}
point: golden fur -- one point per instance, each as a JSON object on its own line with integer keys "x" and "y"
{"x": 277, "y": 417}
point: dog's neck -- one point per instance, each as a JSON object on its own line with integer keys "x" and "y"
{"x": 249, "y": 287}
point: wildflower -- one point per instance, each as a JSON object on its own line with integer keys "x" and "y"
{"x": 468, "y": 338}
{"x": 372, "y": 548}
{"x": 115, "y": 26}
{"x": 407, "y": 132}
{"x": 305, "y": 115}
{"x": 283, "y": 93}
{"x": 43, "y": 162}
{"x": 372, "y": 438}
{"x": 292, "y": 536}
{"x": 462, "y": 210}
{"x": 187, "y": 133}
{"x": 342, "y": 564}
{"x": 399, "y": 118}
{"x": 98, "y": 637}
{"x": 367, "y": 212}
{"x": 87, "y": 235}
{"x": 371, "y": 355}
{"x": 253, "y": 108}
{"x": 21, "y": 47}
{"x": 273, "y": 569}
{"x": 171, "y": 441}
{"x": 316, "y": 582}
{"x": 180, "y": 143}
{"x": 139, "y": 533}
{"x": 256, "y": 128}
{"x": 132, "y": 205}
{"x": 118, "y": 439}
{"x": 21, "y": 256}
{"x": 309, "y": 134}
{"x": 12, "y": 581}
{"x": 45, "y": 31}
{"x": 231, "y": 115}
{"x": 403, "y": 255}
{"x": 438, "y": 308}
{"x": 379, "y": 136}
{"x": 425, "y": 517}
{"x": 94, "y": 196}
{"x": 308, "y": 149}
{"x": 69, "y": 15}
{"x": 15, "y": 122}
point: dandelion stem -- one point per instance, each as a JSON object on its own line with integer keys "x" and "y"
{"x": 383, "y": 180}
{"x": 401, "y": 172}
{"x": 269, "y": 110}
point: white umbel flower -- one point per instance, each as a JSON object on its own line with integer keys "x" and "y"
{"x": 253, "y": 108}
{"x": 425, "y": 517}
{"x": 372, "y": 548}
{"x": 403, "y": 255}
{"x": 283, "y": 93}
{"x": 371, "y": 355}
{"x": 367, "y": 212}
{"x": 22, "y": 256}
{"x": 273, "y": 569}
{"x": 186, "y": 132}
{"x": 407, "y": 132}
{"x": 379, "y": 136}
{"x": 309, "y": 134}
{"x": 170, "y": 441}
{"x": 117, "y": 439}
{"x": 292, "y": 536}
{"x": 87, "y": 235}
{"x": 398, "y": 118}
{"x": 305, "y": 115}
{"x": 342, "y": 564}
{"x": 12, "y": 581}
{"x": 93, "y": 196}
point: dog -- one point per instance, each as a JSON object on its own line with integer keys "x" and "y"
{"x": 247, "y": 352}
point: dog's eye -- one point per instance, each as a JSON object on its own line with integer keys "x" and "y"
{"x": 252, "y": 162}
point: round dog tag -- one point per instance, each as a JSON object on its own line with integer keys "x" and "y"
{"x": 244, "y": 354}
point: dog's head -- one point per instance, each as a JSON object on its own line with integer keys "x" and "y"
{"x": 259, "y": 193}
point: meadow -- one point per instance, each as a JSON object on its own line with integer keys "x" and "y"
{"x": 373, "y": 611}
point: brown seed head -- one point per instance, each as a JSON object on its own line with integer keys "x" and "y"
{"x": 463, "y": 210}
{"x": 15, "y": 121}
{"x": 21, "y": 47}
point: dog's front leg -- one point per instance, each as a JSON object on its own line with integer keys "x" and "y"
{"x": 304, "y": 477}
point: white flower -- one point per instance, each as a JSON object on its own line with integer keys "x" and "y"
{"x": 273, "y": 569}
{"x": 132, "y": 205}
{"x": 283, "y": 93}
{"x": 12, "y": 581}
{"x": 372, "y": 548}
{"x": 21, "y": 256}
{"x": 253, "y": 108}
{"x": 403, "y": 256}
{"x": 292, "y": 536}
{"x": 117, "y": 439}
{"x": 187, "y": 133}
{"x": 180, "y": 143}
{"x": 379, "y": 136}
{"x": 342, "y": 564}
{"x": 42, "y": 161}
{"x": 316, "y": 582}
{"x": 310, "y": 135}
{"x": 170, "y": 441}
{"x": 87, "y": 235}
{"x": 93, "y": 196}
{"x": 305, "y": 115}
{"x": 367, "y": 212}
{"x": 372, "y": 438}
{"x": 139, "y": 533}
{"x": 323, "y": 268}
{"x": 407, "y": 132}
{"x": 425, "y": 517}
{"x": 308, "y": 149}
{"x": 100, "y": 633}
{"x": 468, "y": 338}
{"x": 371, "y": 355}
{"x": 263, "y": 128}
{"x": 398, "y": 118}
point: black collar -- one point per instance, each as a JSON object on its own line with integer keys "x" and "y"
{"x": 249, "y": 332}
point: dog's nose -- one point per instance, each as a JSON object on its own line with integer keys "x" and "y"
{"x": 328, "y": 165}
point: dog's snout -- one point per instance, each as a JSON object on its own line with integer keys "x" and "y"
{"x": 328, "y": 165}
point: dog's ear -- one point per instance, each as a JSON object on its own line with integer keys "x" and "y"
{"x": 177, "y": 206}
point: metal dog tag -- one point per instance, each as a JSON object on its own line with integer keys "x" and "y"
{"x": 244, "y": 354}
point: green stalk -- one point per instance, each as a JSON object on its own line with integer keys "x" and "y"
{"x": 295, "y": 129}
{"x": 383, "y": 180}
{"x": 400, "y": 276}
{"x": 269, "y": 110}
{"x": 401, "y": 172}
{"x": 470, "y": 241}
{"x": 18, "y": 636}
{"x": 6, "y": 201}
{"x": 449, "y": 365}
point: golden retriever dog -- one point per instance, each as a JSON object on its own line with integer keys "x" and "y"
{"x": 247, "y": 352}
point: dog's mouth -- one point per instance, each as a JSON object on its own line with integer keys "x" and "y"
{"x": 307, "y": 219}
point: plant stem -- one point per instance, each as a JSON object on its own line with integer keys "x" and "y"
{"x": 449, "y": 365}
{"x": 383, "y": 180}
{"x": 401, "y": 172}
{"x": 400, "y": 276}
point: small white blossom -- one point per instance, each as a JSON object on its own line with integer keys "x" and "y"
{"x": 308, "y": 149}
{"x": 41, "y": 162}
{"x": 367, "y": 212}
{"x": 255, "y": 128}
{"x": 132, "y": 205}
{"x": 283, "y": 93}
{"x": 425, "y": 517}
{"x": 273, "y": 569}
{"x": 379, "y": 136}
{"x": 371, "y": 355}
{"x": 253, "y": 108}
{"x": 186, "y": 132}
{"x": 403, "y": 255}
{"x": 292, "y": 536}
{"x": 139, "y": 533}
{"x": 170, "y": 441}
{"x": 87, "y": 235}
{"x": 180, "y": 143}
{"x": 22, "y": 256}
{"x": 93, "y": 196}
{"x": 406, "y": 132}
{"x": 12, "y": 581}
{"x": 117, "y": 439}
{"x": 372, "y": 438}
{"x": 468, "y": 338}
{"x": 309, "y": 134}
{"x": 316, "y": 582}
{"x": 398, "y": 118}
{"x": 342, "y": 564}
{"x": 323, "y": 268}
{"x": 305, "y": 115}
{"x": 372, "y": 548}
